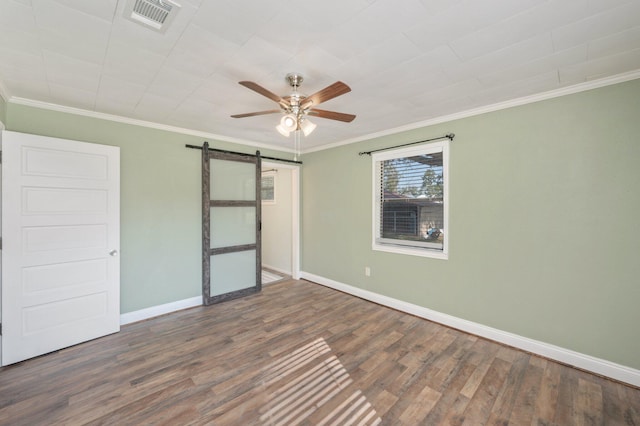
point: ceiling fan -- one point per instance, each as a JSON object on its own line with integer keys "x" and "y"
{"x": 297, "y": 106}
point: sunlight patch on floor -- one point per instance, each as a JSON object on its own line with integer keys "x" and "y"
{"x": 297, "y": 393}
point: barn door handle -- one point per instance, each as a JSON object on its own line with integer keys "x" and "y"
{"x": 113, "y": 253}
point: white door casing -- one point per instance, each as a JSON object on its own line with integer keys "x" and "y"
{"x": 61, "y": 239}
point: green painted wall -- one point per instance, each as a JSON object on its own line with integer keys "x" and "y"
{"x": 544, "y": 225}
{"x": 160, "y": 200}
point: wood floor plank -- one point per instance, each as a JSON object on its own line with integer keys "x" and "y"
{"x": 300, "y": 353}
{"x": 548, "y": 396}
{"x": 479, "y": 408}
{"x": 450, "y": 393}
{"x": 524, "y": 405}
{"x": 512, "y": 388}
{"x": 589, "y": 404}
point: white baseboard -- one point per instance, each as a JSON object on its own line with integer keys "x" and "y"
{"x": 566, "y": 356}
{"x": 155, "y": 311}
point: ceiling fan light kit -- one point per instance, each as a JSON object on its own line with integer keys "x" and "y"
{"x": 297, "y": 106}
{"x": 307, "y": 126}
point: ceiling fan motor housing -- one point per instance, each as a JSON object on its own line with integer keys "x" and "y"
{"x": 294, "y": 79}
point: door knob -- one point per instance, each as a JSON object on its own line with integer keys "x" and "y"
{"x": 113, "y": 253}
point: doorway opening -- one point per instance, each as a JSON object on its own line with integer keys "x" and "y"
{"x": 280, "y": 222}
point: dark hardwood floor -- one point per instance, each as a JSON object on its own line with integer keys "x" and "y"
{"x": 300, "y": 353}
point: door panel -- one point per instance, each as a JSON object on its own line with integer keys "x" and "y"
{"x": 232, "y": 180}
{"x": 60, "y": 227}
{"x": 231, "y": 272}
{"x": 231, "y": 225}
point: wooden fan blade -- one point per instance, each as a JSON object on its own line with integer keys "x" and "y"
{"x": 336, "y": 89}
{"x": 251, "y": 114}
{"x": 332, "y": 115}
{"x": 264, "y": 92}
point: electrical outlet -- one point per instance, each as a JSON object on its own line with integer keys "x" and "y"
{"x": 367, "y": 271}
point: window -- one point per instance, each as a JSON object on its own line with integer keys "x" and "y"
{"x": 411, "y": 200}
{"x": 268, "y": 188}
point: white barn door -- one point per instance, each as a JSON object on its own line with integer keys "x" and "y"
{"x": 60, "y": 244}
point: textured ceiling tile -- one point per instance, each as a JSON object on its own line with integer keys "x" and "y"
{"x": 457, "y": 90}
{"x": 595, "y": 6}
{"x": 113, "y": 89}
{"x": 128, "y": 63}
{"x": 289, "y": 30}
{"x": 615, "y": 43}
{"x": 103, "y": 9}
{"x": 314, "y": 60}
{"x": 491, "y": 11}
{"x": 194, "y": 3}
{"x": 536, "y": 84}
{"x": 65, "y": 44}
{"x": 540, "y": 18}
{"x": 231, "y": 21}
{"x": 199, "y": 52}
{"x": 197, "y": 111}
{"x": 608, "y": 22}
{"x": 216, "y": 89}
{"x": 371, "y": 27}
{"x": 573, "y": 74}
{"x": 65, "y": 71}
{"x": 434, "y": 33}
{"x": 17, "y": 16}
{"x": 440, "y": 58}
{"x": 380, "y": 56}
{"x": 136, "y": 37}
{"x": 376, "y": 16}
{"x": 11, "y": 71}
{"x": 328, "y": 14}
{"x": 17, "y": 59}
{"x": 441, "y": 108}
{"x": 29, "y": 89}
{"x": 53, "y": 17}
{"x": 21, "y": 41}
{"x": 621, "y": 62}
{"x": 154, "y": 107}
{"x": 427, "y": 70}
{"x": 344, "y": 43}
{"x": 437, "y": 6}
{"x": 116, "y": 107}
{"x": 173, "y": 84}
{"x": 257, "y": 58}
{"x": 73, "y": 97}
{"x": 542, "y": 65}
{"x": 463, "y": 18}
{"x": 597, "y": 68}
{"x": 515, "y": 54}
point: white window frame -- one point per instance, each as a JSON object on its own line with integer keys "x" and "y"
{"x": 410, "y": 248}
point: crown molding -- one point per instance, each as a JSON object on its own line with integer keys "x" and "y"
{"x": 569, "y": 90}
{"x": 142, "y": 123}
{"x": 556, "y": 93}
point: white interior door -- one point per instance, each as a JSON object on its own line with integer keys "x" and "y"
{"x": 60, "y": 241}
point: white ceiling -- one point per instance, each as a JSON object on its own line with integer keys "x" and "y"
{"x": 407, "y": 61}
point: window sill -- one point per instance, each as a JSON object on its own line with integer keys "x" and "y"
{"x": 411, "y": 251}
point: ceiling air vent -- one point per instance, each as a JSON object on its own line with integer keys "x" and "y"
{"x": 155, "y": 14}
